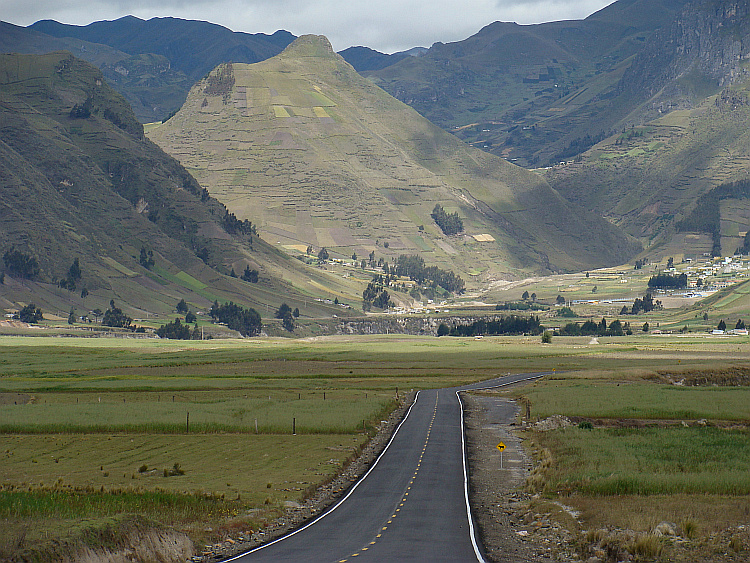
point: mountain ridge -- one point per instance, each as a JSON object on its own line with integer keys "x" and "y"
{"x": 374, "y": 167}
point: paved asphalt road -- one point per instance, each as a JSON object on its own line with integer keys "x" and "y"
{"x": 410, "y": 506}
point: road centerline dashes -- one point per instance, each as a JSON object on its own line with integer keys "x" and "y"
{"x": 405, "y": 496}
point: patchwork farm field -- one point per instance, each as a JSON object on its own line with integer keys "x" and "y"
{"x": 215, "y": 437}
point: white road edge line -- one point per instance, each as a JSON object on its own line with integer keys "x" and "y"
{"x": 340, "y": 502}
{"x": 474, "y": 543}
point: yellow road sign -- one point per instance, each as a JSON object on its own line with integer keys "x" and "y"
{"x": 501, "y": 446}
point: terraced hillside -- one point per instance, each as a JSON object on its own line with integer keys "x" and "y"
{"x": 535, "y": 93}
{"x": 319, "y": 156}
{"x": 696, "y": 92}
{"x": 79, "y": 181}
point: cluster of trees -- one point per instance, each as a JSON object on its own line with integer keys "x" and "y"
{"x": 114, "y": 317}
{"x": 146, "y": 258}
{"x": 592, "y": 328}
{"x": 74, "y": 275}
{"x": 497, "y": 326}
{"x": 449, "y": 223}
{"x": 249, "y": 275}
{"x": 413, "y": 267}
{"x": 178, "y": 331}
{"x": 246, "y": 321}
{"x": 668, "y": 281}
{"x": 234, "y": 226}
{"x": 287, "y": 316}
{"x": 30, "y": 314}
{"x": 739, "y": 326}
{"x": 21, "y": 264}
{"x": 375, "y": 295}
{"x": 642, "y": 305}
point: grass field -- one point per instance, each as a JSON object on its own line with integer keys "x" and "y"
{"x": 91, "y": 428}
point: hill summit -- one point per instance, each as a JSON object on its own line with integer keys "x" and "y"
{"x": 317, "y": 155}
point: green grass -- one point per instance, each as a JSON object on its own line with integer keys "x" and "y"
{"x": 340, "y": 412}
{"x": 649, "y": 461}
{"x": 639, "y": 400}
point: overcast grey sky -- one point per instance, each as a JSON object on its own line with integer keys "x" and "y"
{"x": 385, "y": 25}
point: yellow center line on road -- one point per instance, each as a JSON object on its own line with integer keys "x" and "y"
{"x": 408, "y": 488}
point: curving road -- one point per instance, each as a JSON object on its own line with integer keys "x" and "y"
{"x": 412, "y": 505}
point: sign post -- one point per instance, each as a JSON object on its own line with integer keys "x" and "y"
{"x": 501, "y": 447}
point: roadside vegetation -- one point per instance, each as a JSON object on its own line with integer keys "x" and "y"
{"x": 656, "y": 466}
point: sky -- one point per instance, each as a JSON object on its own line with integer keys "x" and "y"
{"x": 385, "y": 25}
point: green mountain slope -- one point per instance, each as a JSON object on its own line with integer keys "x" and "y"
{"x": 318, "y": 155}
{"x": 80, "y": 181}
{"x": 527, "y": 92}
{"x": 691, "y": 81}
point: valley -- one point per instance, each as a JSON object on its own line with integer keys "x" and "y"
{"x": 231, "y": 260}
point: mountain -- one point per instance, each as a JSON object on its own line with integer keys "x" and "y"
{"x": 81, "y": 182}
{"x": 687, "y": 133}
{"x": 529, "y": 92}
{"x": 192, "y": 47}
{"x": 364, "y": 58}
{"x": 317, "y": 155}
{"x": 153, "y": 63}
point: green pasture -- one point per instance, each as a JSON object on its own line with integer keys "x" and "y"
{"x": 639, "y": 400}
{"x": 342, "y": 411}
{"x": 252, "y": 468}
{"x": 649, "y": 461}
{"x": 93, "y": 428}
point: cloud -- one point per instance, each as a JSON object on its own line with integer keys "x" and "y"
{"x": 387, "y": 25}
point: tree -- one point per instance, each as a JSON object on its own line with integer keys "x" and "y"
{"x": 182, "y": 306}
{"x": 250, "y": 275}
{"x": 449, "y": 223}
{"x": 323, "y": 255}
{"x": 722, "y": 325}
{"x": 666, "y": 281}
{"x": 443, "y": 330}
{"x": 74, "y": 272}
{"x": 146, "y": 258}
{"x": 177, "y": 331}
{"x": 533, "y": 297}
{"x": 670, "y": 263}
{"x": 97, "y": 313}
{"x": 30, "y": 314}
{"x": 190, "y": 317}
{"x": 645, "y": 327}
{"x": 72, "y": 316}
{"x": 23, "y": 265}
{"x": 740, "y": 325}
{"x": 546, "y": 337}
{"x": 282, "y": 311}
{"x": 705, "y": 316}
{"x": 287, "y": 321}
{"x": 114, "y": 317}
{"x": 295, "y": 313}
{"x": 354, "y": 256}
{"x": 232, "y": 274}
{"x": 560, "y": 300}
{"x": 525, "y": 295}
{"x": 246, "y": 321}
{"x": 84, "y": 293}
